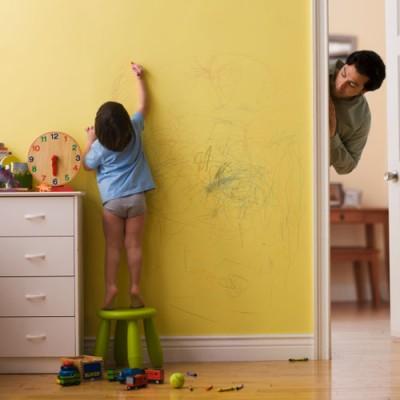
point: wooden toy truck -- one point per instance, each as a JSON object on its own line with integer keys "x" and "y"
{"x": 90, "y": 367}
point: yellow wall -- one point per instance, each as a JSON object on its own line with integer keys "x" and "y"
{"x": 229, "y": 139}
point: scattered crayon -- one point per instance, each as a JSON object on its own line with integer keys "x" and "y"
{"x": 231, "y": 388}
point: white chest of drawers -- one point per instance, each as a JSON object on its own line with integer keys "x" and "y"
{"x": 40, "y": 280}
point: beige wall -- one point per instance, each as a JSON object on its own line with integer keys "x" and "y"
{"x": 366, "y": 20}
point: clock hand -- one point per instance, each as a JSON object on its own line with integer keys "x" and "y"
{"x": 54, "y": 160}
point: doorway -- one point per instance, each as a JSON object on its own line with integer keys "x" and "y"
{"x": 357, "y": 25}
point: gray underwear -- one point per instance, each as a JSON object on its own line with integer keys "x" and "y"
{"x": 127, "y": 207}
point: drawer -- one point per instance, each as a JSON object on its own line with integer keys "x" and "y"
{"x": 347, "y": 217}
{"x": 37, "y": 337}
{"x": 34, "y": 216}
{"x": 359, "y": 216}
{"x": 36, "y": 256}
{"x": 37, "y": 297}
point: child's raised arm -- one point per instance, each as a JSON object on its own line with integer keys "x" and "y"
{"x": 142, "y": 102}
{"x": 91, "y": 137}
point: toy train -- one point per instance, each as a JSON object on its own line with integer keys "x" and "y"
{"x": 68, "y": 375}
{"x": 152, "y": 375}
{"x": 137, "y": 381}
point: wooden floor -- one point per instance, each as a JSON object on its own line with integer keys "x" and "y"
{"x": 365, "y": 365}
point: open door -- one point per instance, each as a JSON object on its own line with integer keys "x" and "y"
{"x": 393, "y": 91}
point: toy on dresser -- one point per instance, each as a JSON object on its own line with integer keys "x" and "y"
{"x": 13, "y": 174}
{"x": 7, "y": 181}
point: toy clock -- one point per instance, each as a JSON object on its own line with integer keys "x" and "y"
{"x": 54, "y": 158}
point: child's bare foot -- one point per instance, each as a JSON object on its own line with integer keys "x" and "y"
{"x": 136, "y": 298}
{"x": 111, "y": 292}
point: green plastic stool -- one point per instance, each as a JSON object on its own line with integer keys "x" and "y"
{"x": 127, "y": 345}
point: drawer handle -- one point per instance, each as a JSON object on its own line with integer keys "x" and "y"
{"x": 33, "y": 256}
{"x": 36, "y": 337}
{"x": 40, "y": 296}
{"x": 34, "y": 216}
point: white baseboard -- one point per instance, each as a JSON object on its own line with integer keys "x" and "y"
{"x": 228, "y": 348}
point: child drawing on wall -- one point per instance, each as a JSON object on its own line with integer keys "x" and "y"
{"x": 115, "y": 151}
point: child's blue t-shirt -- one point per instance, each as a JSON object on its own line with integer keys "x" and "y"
{"x": 121, "y": 173}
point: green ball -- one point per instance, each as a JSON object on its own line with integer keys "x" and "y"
{"x": 177, "y": 380}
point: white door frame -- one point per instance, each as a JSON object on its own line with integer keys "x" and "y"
{"x": 321, "y": 225}
{"x": 392, "y": 28}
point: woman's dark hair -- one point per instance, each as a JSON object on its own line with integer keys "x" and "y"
{"x": 368, "y": 63}
{"x": 113, "y": 126}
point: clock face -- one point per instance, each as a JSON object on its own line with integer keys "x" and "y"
{"x": 54, "y": 158}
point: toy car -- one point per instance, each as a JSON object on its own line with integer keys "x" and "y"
{"x": 124, "y": 373}
{"x": 154, "y": 375}
{"x": 136, "y": 381}
{"x": 68, "y": 375}
{"x": 112, "y": 374}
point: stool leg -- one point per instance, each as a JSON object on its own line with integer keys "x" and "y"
{"x": 134, "y": 346}
{"x": 120, "y": 353}
{"x": 153, "y": 343}
{"x": 102, "y": 339}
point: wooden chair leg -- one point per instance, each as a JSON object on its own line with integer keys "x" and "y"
{"x": 358, "y": 277}
{"x": 374, "y": 279}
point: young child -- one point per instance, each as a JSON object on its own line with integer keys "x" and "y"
{"x": 115, "y": 150}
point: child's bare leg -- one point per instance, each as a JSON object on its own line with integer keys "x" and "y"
{"x": 134, "y": 228}
{"x": 114, "y": 234}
